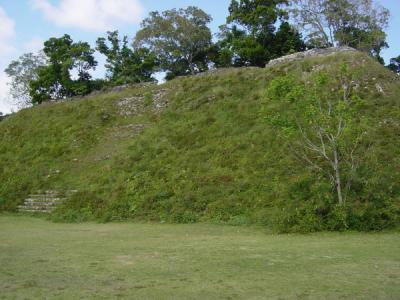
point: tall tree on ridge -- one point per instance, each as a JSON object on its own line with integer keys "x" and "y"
{"x": 22, "y": 71}
{"x": 356, "y": 23}
{"x": 250, "y": 34}
{"x": 180, "y": 39}
{"x": 124, "y": 64}
{"x": 55, "y": 80}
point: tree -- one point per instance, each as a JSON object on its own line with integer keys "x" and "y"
{"x": 22, "y": 71}
{"x": 242, "y": 49}
{"x": 179, "y": 38}
{"x": 257, "y": 16}
{"x": 55, "y": 80}
{"x": 326, "y": 127}
{"x": 287, "y": 40}
{"x": 311, "y": 17}
{"x": 395, "y": 64}
{"x": 356, "y": 23}
{"x": 251, "y": 36}
{"x": 125, "y": 65}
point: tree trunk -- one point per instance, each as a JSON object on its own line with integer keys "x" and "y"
{"x": 192, "y": 70}
{"x": 337, "y": 177}
{"x": 190, "y": 61}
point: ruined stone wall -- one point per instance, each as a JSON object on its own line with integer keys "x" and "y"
{"x": 310, "y": 53}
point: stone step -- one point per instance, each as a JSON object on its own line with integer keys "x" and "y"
{"x": 48, "y": 192}
{"x": 44, "y": 196}
{"x": 35, "y": 210}
{"x": 36, "y": 207}
{"x": 39, "y": 205}
{"x": 50, "y": 207}
{"x": 55, "y": 200}
{"x": 44, "y": 201}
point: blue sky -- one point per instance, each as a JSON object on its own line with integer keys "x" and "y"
{"x": 25, "y": 24}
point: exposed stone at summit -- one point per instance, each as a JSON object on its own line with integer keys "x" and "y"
{"x": 309, "y": 53}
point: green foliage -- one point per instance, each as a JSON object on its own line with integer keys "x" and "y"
{"x": 287, "y": 40}
{"x": 286, "y": 88}
{"x": 310, "y": 218}
{"x": 328, "y": 121}
{"x": 250, "y": 37}
{"x": 375, "y": 216}
{"x": 256, "y": 15}
{"x": 2, "y": 204}
{"x": 180, "y": 39}
{"x": 327, "y": 112}
{"x": 338, "y": 218}
{"x": 54, "y": 80}
{"x": 22, "y": 72}
{"x": 125, "y": 65}
{"x": 222, "y": 151}
{"x": 359, "y": 24}
{"x": 244, "y": 49}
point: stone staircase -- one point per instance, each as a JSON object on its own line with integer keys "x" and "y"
{"x": 41, "y": 202}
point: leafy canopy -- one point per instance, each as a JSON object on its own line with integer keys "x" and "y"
{"x": 55, "y": 80}
{"x": 250, "y": 37}
{"x": 124, "y": 64}
{"x": 356, "y": 23}
{"x": 325, "y": 122}
{"x": 179, "y": 38}
{"x": 22, "y": 71}
{"x": 257, "y": 15}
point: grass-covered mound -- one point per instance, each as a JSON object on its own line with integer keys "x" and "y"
{"x": 223, "y": 149}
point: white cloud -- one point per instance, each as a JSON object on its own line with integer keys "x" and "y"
{"x": 5, "y": 105}
{"x": 35, "y": 44}
{"x": 7, "y": 33}
{"x": 91, "y": 15}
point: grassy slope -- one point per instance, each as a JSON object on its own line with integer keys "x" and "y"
{"x": 141, "y": 261}
{"x": 209, "y": 155}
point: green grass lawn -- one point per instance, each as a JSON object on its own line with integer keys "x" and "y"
{"x": 43, "y": 260}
